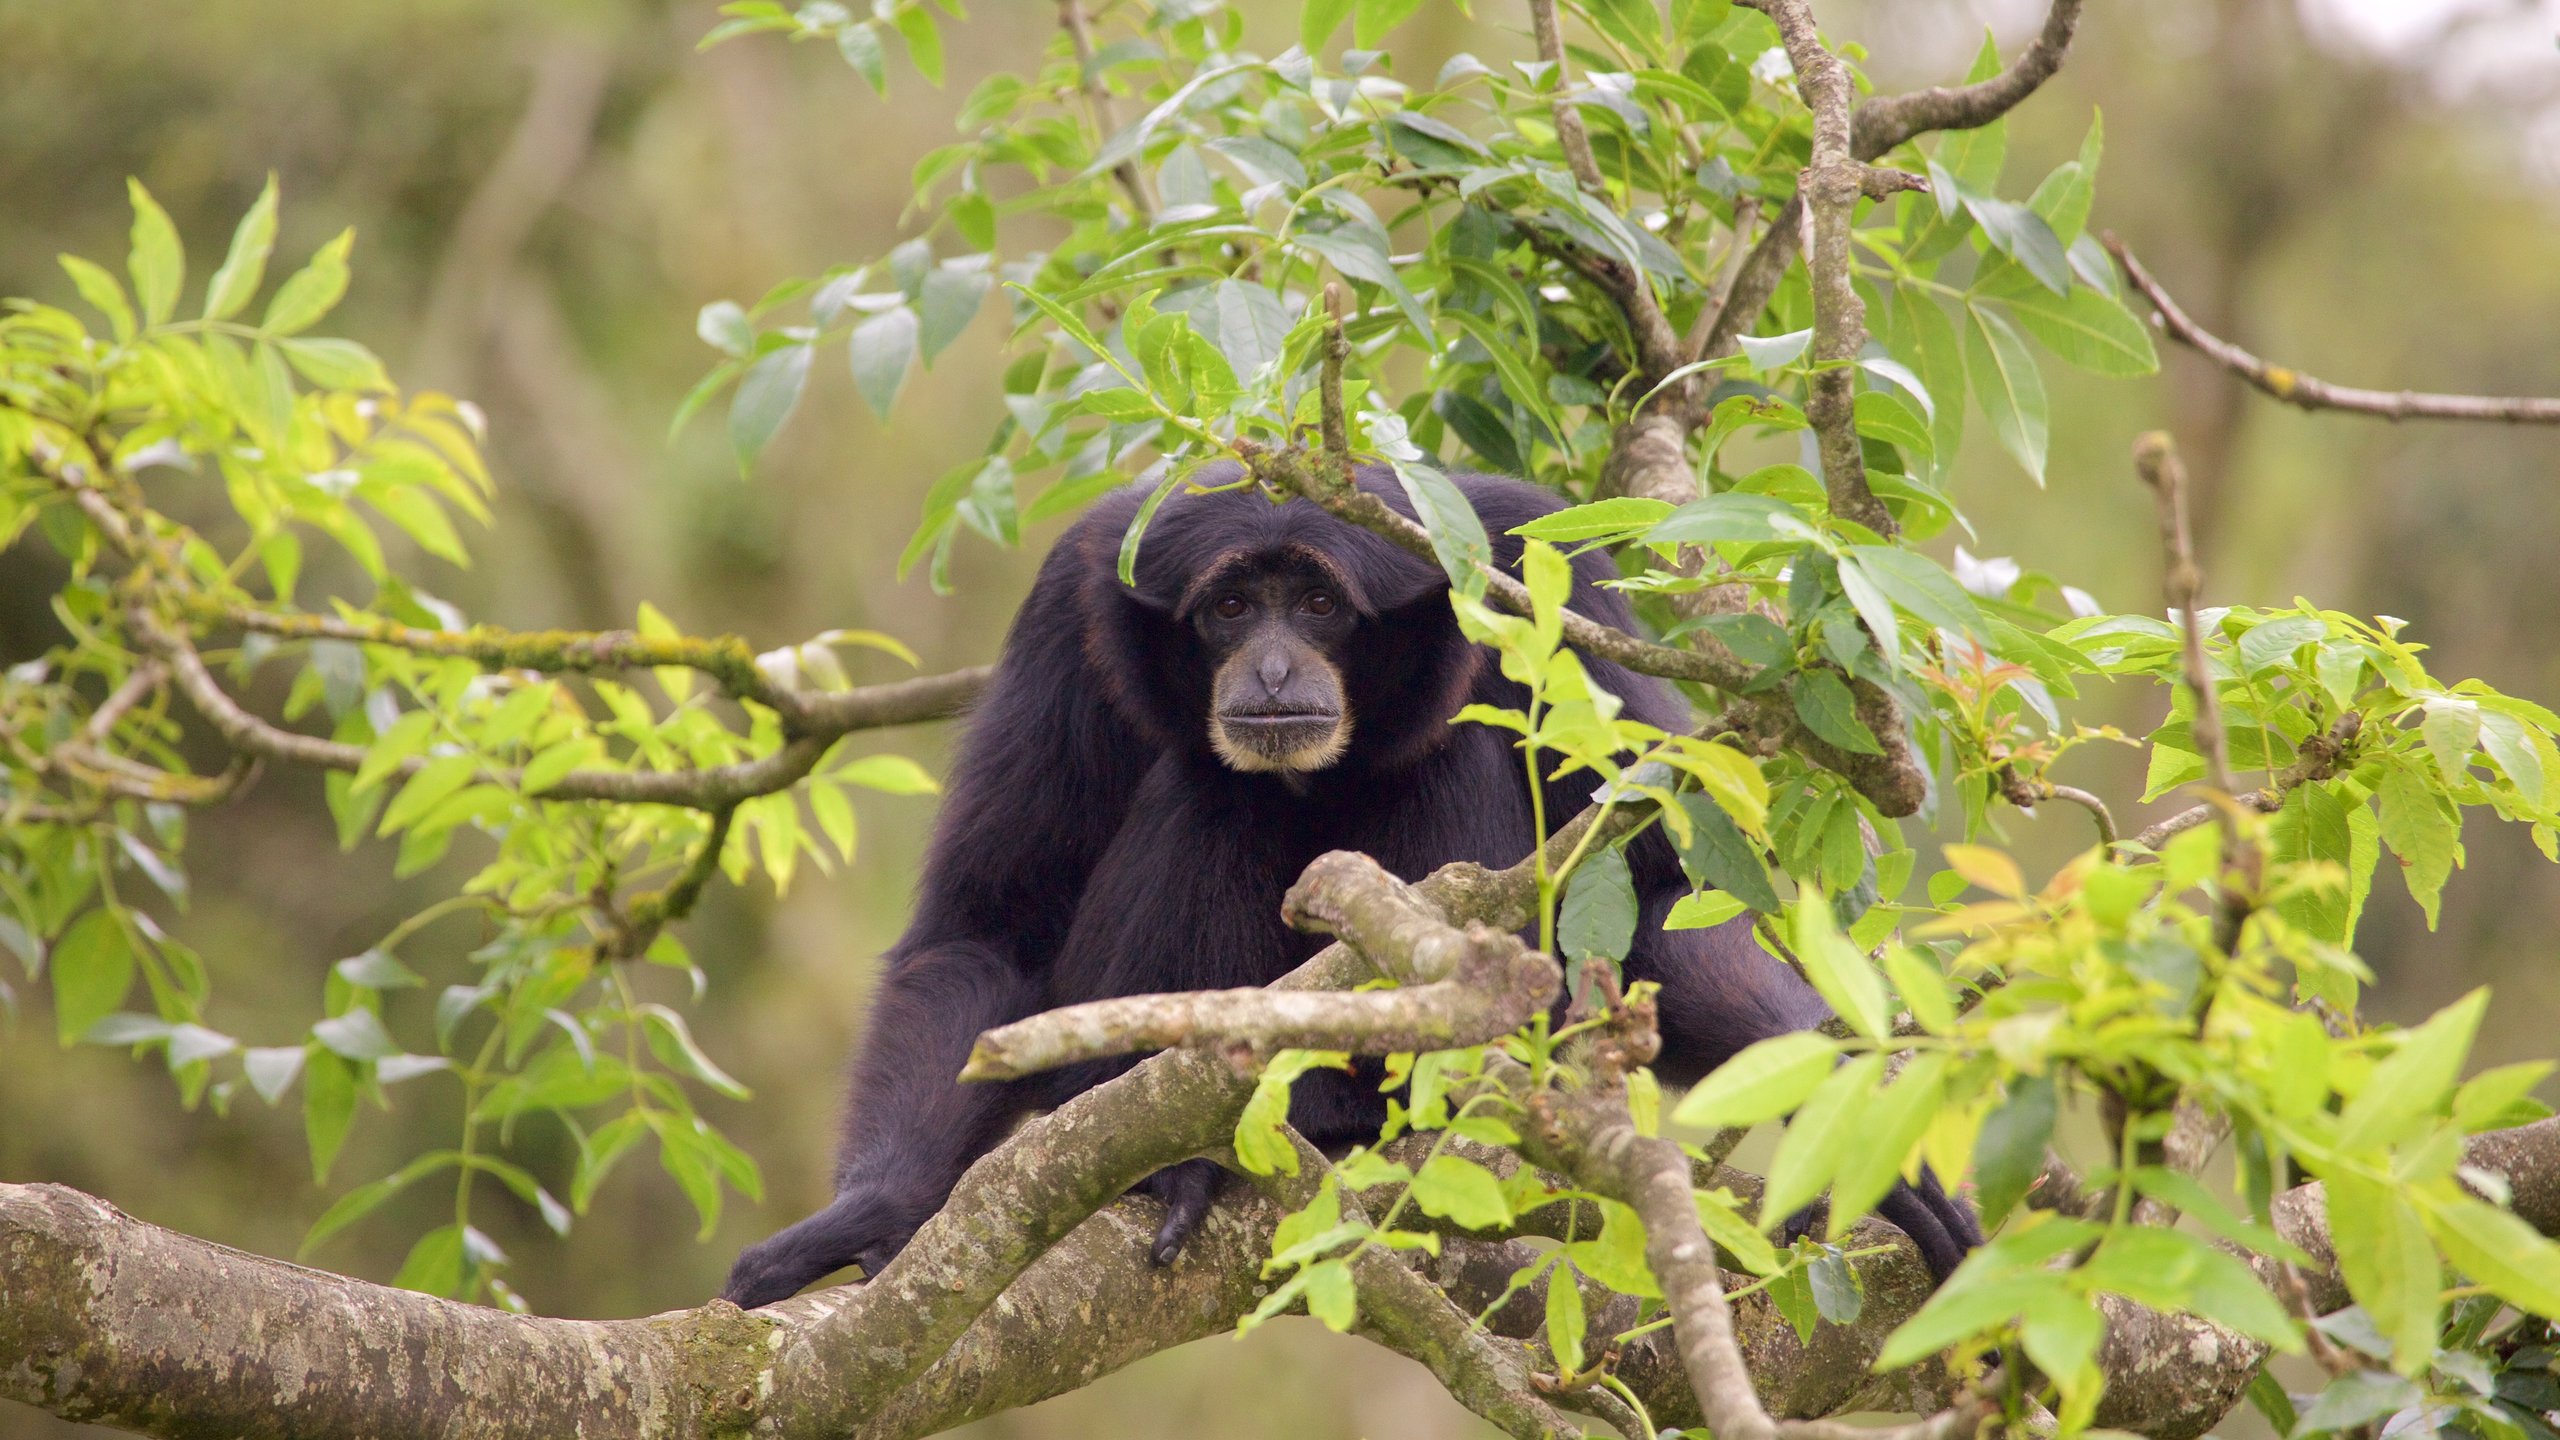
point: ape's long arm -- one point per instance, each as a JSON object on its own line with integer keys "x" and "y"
{"x": 1042, "y": 782}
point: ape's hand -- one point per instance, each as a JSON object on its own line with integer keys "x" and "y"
{"x": 867, "y": 1225}
{"x": 1940, "y": 1225}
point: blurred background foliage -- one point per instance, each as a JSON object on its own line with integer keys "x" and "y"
{"x": 546, "y": 191}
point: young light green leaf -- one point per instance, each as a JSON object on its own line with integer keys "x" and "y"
{"x": 1766, "y": 1080}
{"x": 245, "y": 266}
{"x": 1810, "y": 1152}
{"x": 1455, "y": 1188}
{"x": 312, "y": 291}
{"x": 157, "y": 262}
{"x": 2414, "y": 1081}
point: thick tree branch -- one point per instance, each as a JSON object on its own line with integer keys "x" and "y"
{"x": 2295, "y": 388}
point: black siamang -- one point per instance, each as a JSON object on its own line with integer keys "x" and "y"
{"x": 1151, "y": 769}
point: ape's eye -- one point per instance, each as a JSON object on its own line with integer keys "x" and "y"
{"x": 1231, "y": 607}
{"x": 1318, "y": 604}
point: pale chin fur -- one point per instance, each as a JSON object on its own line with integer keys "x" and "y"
{"x": 1303, "y": 760}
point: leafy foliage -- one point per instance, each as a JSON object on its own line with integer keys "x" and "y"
{"x": 325, "y": 484}
{"x": 1165, "y": 278}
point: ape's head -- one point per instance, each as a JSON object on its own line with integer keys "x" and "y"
{"x": 1273, "y": 626}
{"x": 1274, "y": 637}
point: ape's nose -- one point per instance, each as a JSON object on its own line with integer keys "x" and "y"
{"x": 1274, "y": 671}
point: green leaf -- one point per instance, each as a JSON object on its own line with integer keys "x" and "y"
{"x": 328, "y": 1106}
{"x": 357, "y": 1035}
{"x": 1827, "y": 708}
{"x": 673, "y": 1043}
{"x": 1457, "y": 534}
{"x": 888, "y": 774}
{"x": 272, "y": 1069}
{"x": 2005, "y": 380}
{"x": 1764, "y": 1081}
{"x": 1723, "y": 516}
{"x": 440, "y": 778}
{"x": 2417, "y": 828}
{"x": 1318, "y": 20}
{"x": 365, "y": 1199}
{"x": 1917, "y": 584}
{"x": 951, "y": 299}
{"x": 2500, "y": 1251}
{"x": 2172, "y": 1270}
{"x": 1331, "y": 1296}
{"x": 2415, "y": 1082}
{"x": 924, "y": 41}
{"x": 1719, "y": 854}
{"x": 1810, "y": 1152}
{"x": 1599, "y": 913}
{"x": 860, "y": 47}
{"x": 93, "y": 966}
{"x": 435, "y": 1263}
{"x": 1887, "y": 1133}
{"x": 2008, "y": 1155}
{"x": 2451, "y": 728}
{"x": 1564, "y": 1318}
{"x": 881, "y": 349}
{"x": 335, "y": 364}
{"x": 2089, "y": 328}
{"x": 245, "y": 267}
{"x": 767, "y": 394}
{"x": 2023, "y": 236}
{"x": 102, "y": 292}
{"x": 1888, "y": 417}
{"x": 2388, "y": 1263}
{"x": 1616, "y": 518}
{"x": 1455, "y": 1188}
{"x": 157, "y": 262}
{"x": 312, "y": 291}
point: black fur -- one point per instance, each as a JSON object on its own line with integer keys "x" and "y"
{"x": 1093, "y": 846}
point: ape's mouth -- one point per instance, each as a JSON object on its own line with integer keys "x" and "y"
{"x": 1289, "y": 740}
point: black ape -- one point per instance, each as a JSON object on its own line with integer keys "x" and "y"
{"x": 1151, "y": 769}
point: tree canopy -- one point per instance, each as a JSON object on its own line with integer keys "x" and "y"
{"x": 1684, "y": 265}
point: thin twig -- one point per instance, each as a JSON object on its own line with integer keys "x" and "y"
{"x": 2322, "y": 757}
{"x": 1658, "y": 348}
{"x": 2155, "y": 458}
{"x": 2295, "y": 388}
{"x": 1072, "y": 19}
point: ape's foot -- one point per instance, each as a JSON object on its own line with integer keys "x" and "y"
{"x": 1186, "y": 1190}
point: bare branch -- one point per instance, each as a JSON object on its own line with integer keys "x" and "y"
{"x": 2297, "y": 389}
{"x": 1658, "y": 349}
{"x": 1876, "y": 127}
{"x": 2155, "y": 457}
{"x": 1888, "y": 120}
{"x": 714, "y": 788}
{"x": 1833, "y": 181}
{"x": 1079, "y": 28}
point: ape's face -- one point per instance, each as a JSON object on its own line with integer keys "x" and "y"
{"x": 1275, "y": 627}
